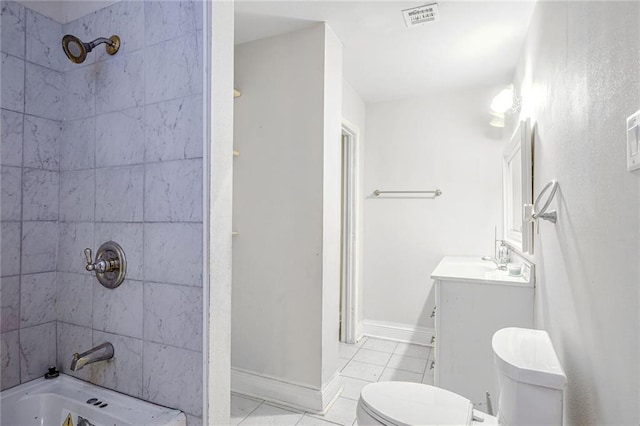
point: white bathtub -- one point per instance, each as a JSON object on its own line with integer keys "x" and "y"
{"x": 49, "y": 402}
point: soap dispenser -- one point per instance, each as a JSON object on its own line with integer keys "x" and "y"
{"x": 503, "y": 253}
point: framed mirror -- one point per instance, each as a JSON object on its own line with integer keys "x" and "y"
{"x": 517, "y": 179}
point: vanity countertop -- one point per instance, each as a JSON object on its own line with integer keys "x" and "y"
{"x": 474, "y": 269}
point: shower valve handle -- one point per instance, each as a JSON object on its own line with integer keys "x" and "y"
{"x": 87, "y": 255}
{"x": 101, "y": 265}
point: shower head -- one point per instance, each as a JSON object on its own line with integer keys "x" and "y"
{"x": 76, "y": 50}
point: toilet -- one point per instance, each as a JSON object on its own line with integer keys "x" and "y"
{"x": 531, "y": 385}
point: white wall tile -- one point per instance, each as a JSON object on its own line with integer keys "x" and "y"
{"x": 12, "y": 84}
{"x": 44, "y": 90}
{"x": 123, "y": 372}
{"x": 9, "y": 303}
{"x": 125, "y": 19}
{"x": 13, "y": 28}
{"x": 41, "y": 143}
{"x": 39, "y": 246}
{"x": 173, "y": 191}
{"x": 118, "y": 310}
{"x": 73, "y": 238}
{"x": 37, "y": 350}
{"x": 173, "y": 377}
{"x": 77, "y": 144}
{"x": 173, "y": 69}
{"x": 10, "y": 358}
{"x": 10, "y": 192}
{"x": 168, "y": 20}
{"x": 119, "y": 84}
{"x": 79, "y": 92}
{"x": 43, "y": 41}
{"x": 40, "y": 194}
{"x": 77, "y": 195}
{"x": 174, "y": 129}
{"x": 71, "y": 339}
{"x": 173, "y": 315}
{"x": 12, "y": 131}
{"x": 10, "y": 248}
{"x": 173, "y": 253}
{"x": 74, "y": 296}
{"x": 129, "y": 236}
{"x": 120, "y": 138}
{"x": 123, "y": 201}
{"x": 37, "y": 299}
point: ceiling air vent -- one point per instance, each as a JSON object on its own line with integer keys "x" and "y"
{"x": 421, "y": 15}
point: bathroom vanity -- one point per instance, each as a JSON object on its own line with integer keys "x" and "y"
{"x": 473, "y": 301}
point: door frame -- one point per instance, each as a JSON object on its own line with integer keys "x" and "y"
{"x": 349, "y": 296}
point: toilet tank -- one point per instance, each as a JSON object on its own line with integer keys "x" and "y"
{"x": 531, "y": 381}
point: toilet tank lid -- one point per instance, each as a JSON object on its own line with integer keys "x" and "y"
{"x": 528, "y": 356}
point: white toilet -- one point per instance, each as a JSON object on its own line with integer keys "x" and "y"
{"x": 531, "y": 382}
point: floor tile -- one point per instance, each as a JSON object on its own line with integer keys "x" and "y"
{"x": 372, "y": 357}
{"x": 362, "y": 371}
{"x": 269, "y": 415}
{"x": 427, "y": 379}
{"x": 395, "y": 375}
{"x": 415, "y": 365}
{"x": 342, "y": 363}
{"x": 241, "y": 407}
{"x": 309, "y": 420}
{"x": 416, "y": 351}
{"x": 343, "y": 412}
{"x": 352, "y": 387}
{"x": 380, "y": 345}
{"x": 347, "y": 351}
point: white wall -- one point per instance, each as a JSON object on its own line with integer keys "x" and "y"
{"x": 580, "y": 79}
{"x": 354, "y": 114}
{"x": 441, "y": 142}
{"x": 286, "y": 263}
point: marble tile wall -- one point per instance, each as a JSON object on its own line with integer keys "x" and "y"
{"x": 129, "y": 168}
{"x": 29, "y": 184}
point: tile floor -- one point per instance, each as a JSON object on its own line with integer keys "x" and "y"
{"x": 370, "y": 360}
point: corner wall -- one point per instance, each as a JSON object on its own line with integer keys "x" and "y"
{"x": 579, "y": 79}
{"x": 286, "y": 210}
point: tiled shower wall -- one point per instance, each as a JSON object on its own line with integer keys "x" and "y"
{"x": 128, "y": 168}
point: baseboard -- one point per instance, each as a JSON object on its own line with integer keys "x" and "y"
{"x": 399, "y": 332}
{"x": 286, "y": 393}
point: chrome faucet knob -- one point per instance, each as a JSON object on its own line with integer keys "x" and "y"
{"x": 87, "y": 254}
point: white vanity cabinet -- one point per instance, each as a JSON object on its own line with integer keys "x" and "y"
{"x": 474, "y": 300}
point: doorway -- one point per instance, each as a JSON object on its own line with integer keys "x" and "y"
{"x": 348, "y": 229}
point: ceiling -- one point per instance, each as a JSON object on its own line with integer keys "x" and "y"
{"x": 474, "y": 44}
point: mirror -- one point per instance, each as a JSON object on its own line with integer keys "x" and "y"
{"x": 517, "y": 177}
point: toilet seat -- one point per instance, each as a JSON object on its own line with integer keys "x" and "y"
{"x": 407, "y": 404}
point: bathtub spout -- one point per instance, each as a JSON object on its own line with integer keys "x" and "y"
{"x": 101, "y": 352}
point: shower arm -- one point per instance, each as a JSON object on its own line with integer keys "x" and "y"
{"x": 98, "y": 41}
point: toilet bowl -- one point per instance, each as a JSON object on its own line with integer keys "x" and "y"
{"x": 531, "y": 386}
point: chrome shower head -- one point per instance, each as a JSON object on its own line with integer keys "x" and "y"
{"x": 76, "y": 50}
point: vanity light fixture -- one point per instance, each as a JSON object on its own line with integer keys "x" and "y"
{"x": 505, "y": 102}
